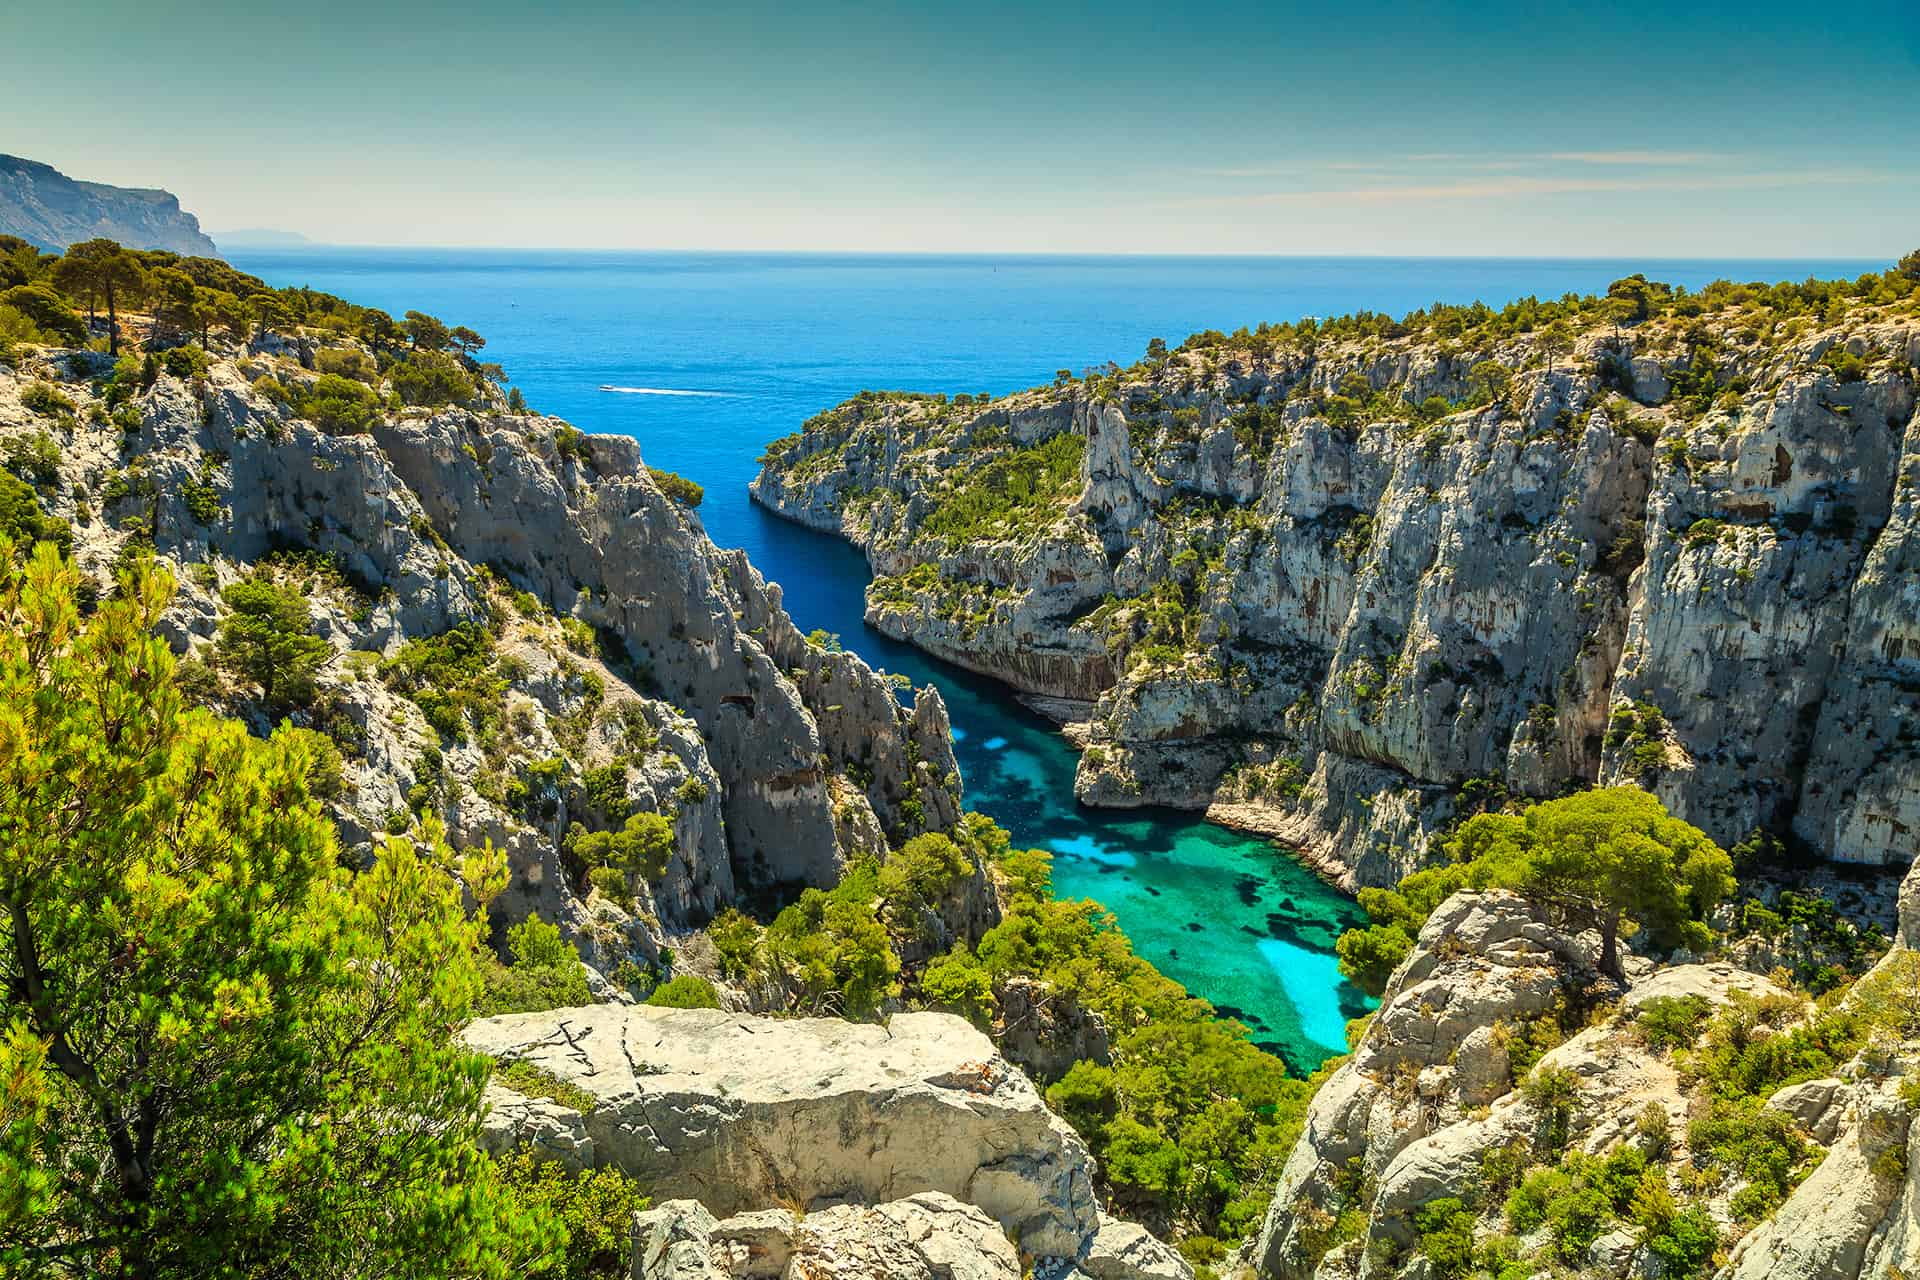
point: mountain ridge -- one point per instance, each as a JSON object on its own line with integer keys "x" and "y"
{"x": 46, "y": 208}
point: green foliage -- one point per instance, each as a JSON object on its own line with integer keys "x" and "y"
{"x": 454, "y": 679}
{"x": 1761, "y": 1147}
{"x": 23, "y": 522}
{"x": 46, "y": 400}
{"x": 678, "y": 487}
{"x": 545, "y": 973}
{"x": 737, "y": 938}
{"x": 212, "y": 1025}
{"x": 186, "y": 363}
{"x": 337, "y": 405}
{"x": 688, "y": 991}
{"x": 1368, "y": 956}
{"x": 267, "y": 640}
{"x": 47, "y": 312}
{"x": 594, "y": 1207}
{"x": 428, "y": 379}
{"x": 1191, "y": 1119}
{"x": 1609, "y": 859}
{"x": 536, "y": 1081}
{"x": 957, "y": 982}
{"x": 1015, "y": 493}
{"x": 832, "y": 948}
{"x": 643, "y": 846}
{"x": 1445, "y": 1230}
{"x": 1671, "y": 1022}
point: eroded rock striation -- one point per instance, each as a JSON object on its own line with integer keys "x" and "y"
{"x": 524, "y": 633}
{"x": 1331, "y": 587}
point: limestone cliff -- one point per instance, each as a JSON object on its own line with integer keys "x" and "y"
{"x": 1342, "y": 584}
{"x": 524, "y": 632}
{"x": 1501, "y": 1083}
{"x": 45, "y": 207}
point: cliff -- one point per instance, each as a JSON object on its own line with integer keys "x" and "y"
{"x": 45, "y": 207}
{"x": 1506, "y": 1112}
{"x": 522, "y": 632}
{"x": 1342, "y": 583}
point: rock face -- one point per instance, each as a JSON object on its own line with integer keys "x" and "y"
{"x": 930, "y": 1236}
{"x": 1430, "y": 1092}
{"x": 45, "y": 207}
{"x": 740, "y": 1112}
{"x": 1324, "y": 622}
{"x": 629, "y": 665}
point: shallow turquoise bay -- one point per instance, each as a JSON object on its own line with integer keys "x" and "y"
{"x": 775, "y": 338}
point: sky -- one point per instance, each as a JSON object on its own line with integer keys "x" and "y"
{"x": 1497, "y": 128}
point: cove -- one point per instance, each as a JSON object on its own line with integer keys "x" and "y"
{"x": 617, "y": 341}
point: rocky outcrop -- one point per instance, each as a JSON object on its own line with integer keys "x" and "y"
{"x": 930, "y": 1236}
{"x": 613, "y": 643}
{"x": 45, "y": 207}
{"x": 740, "y": 1113}
{"x": 1329, "y": 623}
{"x": 1430, "y": 1093}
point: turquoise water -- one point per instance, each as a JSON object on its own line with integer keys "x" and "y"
{"x": 771, "y": 339}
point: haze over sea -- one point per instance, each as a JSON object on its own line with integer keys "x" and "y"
{"x": 704, "y": 358}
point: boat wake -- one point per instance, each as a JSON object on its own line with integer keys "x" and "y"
{"x": 658, "y": 391}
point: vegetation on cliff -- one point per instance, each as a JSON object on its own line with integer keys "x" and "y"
{"x": 225, "y": 1051}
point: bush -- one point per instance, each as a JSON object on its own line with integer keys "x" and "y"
{"x": 595, "y": 1207}
{"x": 737, "y": 938}
{"x": 48, "y": 312}
{"x": 643, "y": 846}
{"x": 34, "y": 458}
{"x": 957, "y": 982}
{"x": 1672, "y": 1022}
{"x": 454, "y": 678}
{"x": 186, "y": 363}
{"x": 46, "y": 400}
{"x": 267, "y": 640}
{"x": 429, "y": 379}
{"x": 337, "y": 405}
{"x": 1761, "y": 1147}
{"x": 678, "y": 487}
{"x": 685, "y": 992}
{"x": 545, "y": 973}
{"x": 23, "y": 522}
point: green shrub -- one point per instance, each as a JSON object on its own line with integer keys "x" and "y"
{"x": 687, "y": 991}
{"x": 1761, "y": 1147}
{"x": 430, "y": 379}
{"x": 545, "y": 973}
{"x": 737, "y": 938}
{"x": 678, "y": 487}
{"x": 267, "y": 639}
{"x": 46, "y": 400}
{"x": 34, "y": 458}
{"x": 642, "y": 846}
{"x": 959, "y": 983}
{"x": 337, "y": 405}
{"x": 594, "y": 1206}
{"x": 454, "y": 678}
{"x": 186, "y": 363}
{"x": 24, "y": 522}
{"x": 1672, "y": 1022}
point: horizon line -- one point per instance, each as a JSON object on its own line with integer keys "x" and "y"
{"x": 309, "y": 245}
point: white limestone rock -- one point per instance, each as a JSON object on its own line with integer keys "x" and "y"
{"x": 738, "y": 1112}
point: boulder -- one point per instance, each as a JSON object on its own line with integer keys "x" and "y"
{"x": 739, "y": 1112}
{"x": 1128, "y": 1251}
{"x": 929, "y": 1236}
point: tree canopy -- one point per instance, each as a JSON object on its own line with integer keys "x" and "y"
{"x": 223, "y": 1053}
{"x": 1611, "y": 859}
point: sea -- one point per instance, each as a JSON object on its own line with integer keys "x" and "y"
{"x": 705, "y": 357}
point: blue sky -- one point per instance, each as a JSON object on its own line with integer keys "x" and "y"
{"x": 1364, "y": 127}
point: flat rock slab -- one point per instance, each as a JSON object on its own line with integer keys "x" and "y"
{"x": 738, "y": 1112}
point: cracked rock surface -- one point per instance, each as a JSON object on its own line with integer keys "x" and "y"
{"x": 741, "y": 1112}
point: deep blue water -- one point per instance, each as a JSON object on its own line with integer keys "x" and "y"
{"x": 772, "y": 339}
